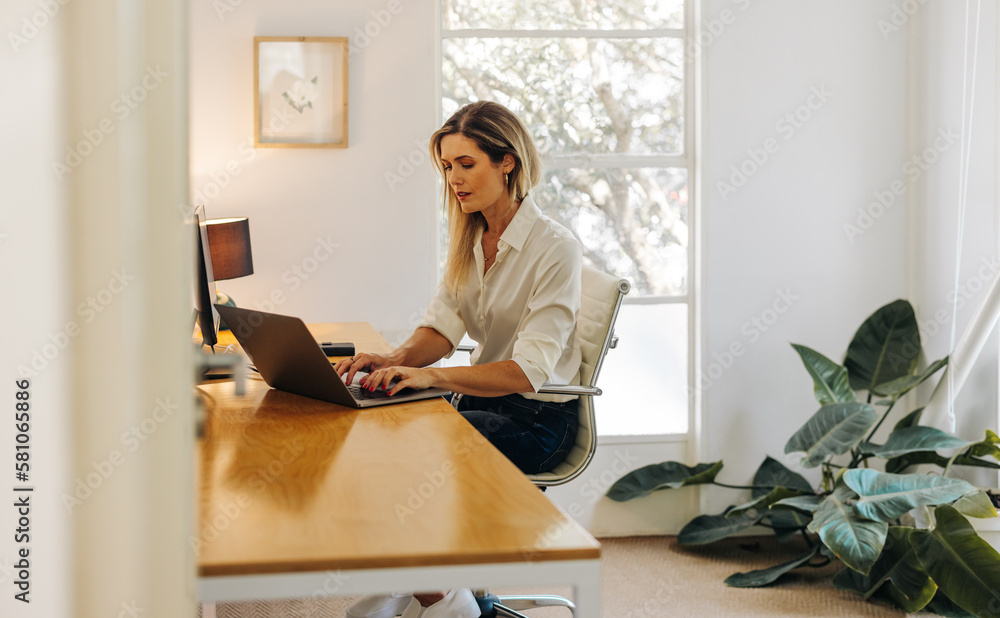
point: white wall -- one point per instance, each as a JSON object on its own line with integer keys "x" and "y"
{"x": 382, "y": 269}
{"x": 782, "y": 233}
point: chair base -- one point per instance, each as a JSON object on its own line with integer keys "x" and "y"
{"x": 509, "y": 606}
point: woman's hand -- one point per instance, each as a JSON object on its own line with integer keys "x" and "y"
{"x": 360, "y": 362}
{"x": 395, "y": 379}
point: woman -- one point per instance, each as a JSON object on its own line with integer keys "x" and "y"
{"x": 512, "y": 281}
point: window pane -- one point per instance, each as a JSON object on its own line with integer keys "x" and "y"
{"x": 632, "y": 222}
{"x": 559, "y": 14}
{"x": 576, "y": 95}
{"x": 645, "y": 379}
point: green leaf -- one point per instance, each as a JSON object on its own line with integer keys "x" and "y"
{"x": 708, "y": 528}
{"x": 763, "y": 503}
{"x": 900, "y": 386}
{"x": 884, "y": 348}
{"x": 976, "y": 504}
{"x": 988, "y": 447}
{"x": 897, "y": 572}
{"x": 901, "y": 463}
{"x": 763, "y": 577}
{"x": 830, "y": 382}
{"x": 910, "y": 420}
{"x": 912, "y": 440}
{"x": 885, "y": 497}
{"x": 941, "y": 605}
{"x": 856, "y": 541}
{"x": 801, "y": 503}
{"x": 963, "y": 565}
{"x": 666, "y": 475}
{"x": 835, "y": 429}
{"x": 772, "y": 473}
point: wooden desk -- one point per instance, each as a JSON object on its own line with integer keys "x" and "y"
{"x": 299, "y": 498}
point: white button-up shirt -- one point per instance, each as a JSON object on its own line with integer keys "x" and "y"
{"x": 525, "y": 307}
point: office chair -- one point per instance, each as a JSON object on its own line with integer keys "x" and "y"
{"x": 602, "y": 296}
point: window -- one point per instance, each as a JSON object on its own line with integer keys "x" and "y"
{"x": 603, "y": 87}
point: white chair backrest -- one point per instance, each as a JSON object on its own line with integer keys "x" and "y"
{"x": 601, "y": 298}
{"x": 598, "y": 311}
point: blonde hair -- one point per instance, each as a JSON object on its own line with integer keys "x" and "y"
{"x": 497, "y": 132}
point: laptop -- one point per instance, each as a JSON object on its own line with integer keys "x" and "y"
{"x": 287, "y": 356}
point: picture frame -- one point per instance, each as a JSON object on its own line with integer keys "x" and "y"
{"x": 300, "y": 92}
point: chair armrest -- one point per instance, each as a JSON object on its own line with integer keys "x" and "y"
{"x": 465, "y": 347}
{"x": 555, "y": 389}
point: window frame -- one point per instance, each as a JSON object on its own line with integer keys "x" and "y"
{"x": 686, "y": 160}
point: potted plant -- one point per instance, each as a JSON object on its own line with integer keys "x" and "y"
{"x": 902, "y": 535}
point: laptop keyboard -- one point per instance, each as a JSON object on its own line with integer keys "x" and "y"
{"x": 362, "y": 393}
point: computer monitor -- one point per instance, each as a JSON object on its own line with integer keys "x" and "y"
{"x": 204, "y": 290}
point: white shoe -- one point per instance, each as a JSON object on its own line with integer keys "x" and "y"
{"x": 380, "y": 606}
{"x": 458, "y": 603}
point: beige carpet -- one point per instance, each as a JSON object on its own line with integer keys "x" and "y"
{"x": 651, "y": 577}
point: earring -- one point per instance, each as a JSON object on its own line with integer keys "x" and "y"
{"x": 505, "y": 181}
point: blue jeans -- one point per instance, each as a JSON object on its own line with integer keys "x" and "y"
{"x": 535, "y": 435}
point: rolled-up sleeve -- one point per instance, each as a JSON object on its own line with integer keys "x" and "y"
{"x": 549, "y": 323}
{"x": 444, "y": 316}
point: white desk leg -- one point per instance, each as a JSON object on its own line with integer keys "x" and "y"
{"x": 587, "y": 596}
{"x": 208, "y": 610}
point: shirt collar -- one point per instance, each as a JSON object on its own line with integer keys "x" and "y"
{"x": 524, "y": 219}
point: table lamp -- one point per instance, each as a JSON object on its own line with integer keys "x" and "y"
{"x": 229, "y": 244}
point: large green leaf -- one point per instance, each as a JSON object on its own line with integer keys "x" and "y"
{"x": 772, "y": 473}
{"x": 830, "y": 382}
{"x": 901, "y": 463}
{"x": 941, "y": 605}
{"x": 763, "y": 503}
{"x": 709, "y": 528}
{"x": 809, "y": 504}
{"x": 897, "y": 571}
{"x": 912, "y": 440}
{"x": 963, "y": 565}
{"x": 835, "y": 429}
{"x": 856, "y": 541}
{"x": 895, "y": 389}
{"x": 884, "y": 348}
{"x": 885, "y": 497}
{"x": 667, "y": 475}
{"x": 976, "y": 504}
{"x": 763, "y": 577}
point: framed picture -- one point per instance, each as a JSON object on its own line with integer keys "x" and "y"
{"x": 300, "y": 92}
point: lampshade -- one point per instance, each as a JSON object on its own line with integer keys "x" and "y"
{"x": 229, "y": 243}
